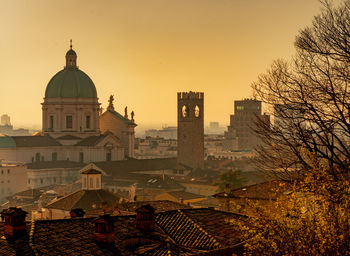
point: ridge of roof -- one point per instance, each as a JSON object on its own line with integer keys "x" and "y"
{"x": 122, "y": 118}
{"x": 90, "y": 141}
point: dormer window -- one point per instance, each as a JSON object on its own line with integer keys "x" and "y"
{"x": 91, "y": 179}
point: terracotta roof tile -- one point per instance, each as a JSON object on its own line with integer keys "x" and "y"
{"x": 133, "y": 165}
{"x": 262, "y": 191}
{"x": 85, "y": 199}
{"x": 185, "y": 195}
{"x": 181, "y": 232}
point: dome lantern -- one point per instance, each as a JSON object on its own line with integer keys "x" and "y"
{"x": 71, "y": 58}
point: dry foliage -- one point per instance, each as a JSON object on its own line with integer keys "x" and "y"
{"x": 312, "y": 220}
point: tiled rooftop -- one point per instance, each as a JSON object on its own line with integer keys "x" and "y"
{"x": 132, "y": 165}
{"x": 35, "y": 141}
{"x": 179, "y": 232}
{"x": 185, "y": 195}
{"x": 261, "y": 191}
{"x": 90, "y": 141}
{"x": 85, "y": 199}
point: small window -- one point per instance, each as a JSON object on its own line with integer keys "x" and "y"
{"x": 88, "y": 122}
{"x": 196, "y": 111}
{"x": 28, "y": 181}
{"x": 85, "y": 183}
{"x": 81, "y": 157}
{"x": 8, "y": 171}
{"x": 37, "y": 157}
{"x": 108, "y": 156}
{"x": 69, "y": 122}
{"x": 2, "y": 171}
{"x": 54, "y": 156}
{"x": 51, "y": 122}
{"x": 41, "y": 181}
{"x": 184, "y": 111}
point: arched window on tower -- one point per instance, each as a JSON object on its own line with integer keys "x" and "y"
{"x": 185, "y": 111}
{"x": 196, "y": 111}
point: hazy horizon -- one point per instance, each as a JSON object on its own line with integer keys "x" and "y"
{"x": 144, "y": 52}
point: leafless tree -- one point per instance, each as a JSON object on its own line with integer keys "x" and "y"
{"x": 310, "y": 96}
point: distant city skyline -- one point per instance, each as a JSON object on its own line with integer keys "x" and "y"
{"x": 144, "y": 52}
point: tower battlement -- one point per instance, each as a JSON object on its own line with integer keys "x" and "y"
{"x": 190, "y": 129}
{"x": 190, "y": 95}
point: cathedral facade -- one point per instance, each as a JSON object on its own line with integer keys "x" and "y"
{"x": 72, "y": 127}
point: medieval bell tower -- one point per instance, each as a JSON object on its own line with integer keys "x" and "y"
{"x": 190, "y": 129}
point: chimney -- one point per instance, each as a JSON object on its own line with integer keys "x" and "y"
{"x": 145, "y": 218}
{"x": 104, "y": 230}
{"x": 77, "y": 213}
{"x": 227, "y": 189}
{"x": 14, "y": 226}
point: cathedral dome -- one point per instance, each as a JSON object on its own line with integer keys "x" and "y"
{"x": 70, "y": 83}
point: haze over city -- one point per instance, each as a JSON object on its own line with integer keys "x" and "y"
{"x": 143, "y": 52}
{"x": 174, "y": 127}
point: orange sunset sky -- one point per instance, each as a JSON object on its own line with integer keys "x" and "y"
{"x": 145, "y": 51}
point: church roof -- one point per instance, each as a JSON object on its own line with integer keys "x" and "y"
{"x": 7, "y": 142}
{"x": 70, "y": 83}
{"x": 68, "y": 137}
{"x": 90, "y": 141}
{"x": 122, "y": 118}
{"x": 27, "y": 141}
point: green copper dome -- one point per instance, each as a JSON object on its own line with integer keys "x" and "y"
{"x": 70, "y": 83}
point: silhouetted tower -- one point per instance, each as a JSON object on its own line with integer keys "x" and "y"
{"x": 190, "y": 129}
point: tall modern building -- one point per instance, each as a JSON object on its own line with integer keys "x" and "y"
{"x": 190, "y": 129}
{"x": 240, "y": 135}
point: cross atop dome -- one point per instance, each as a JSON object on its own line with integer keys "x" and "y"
{"x": 71, "y": 58}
